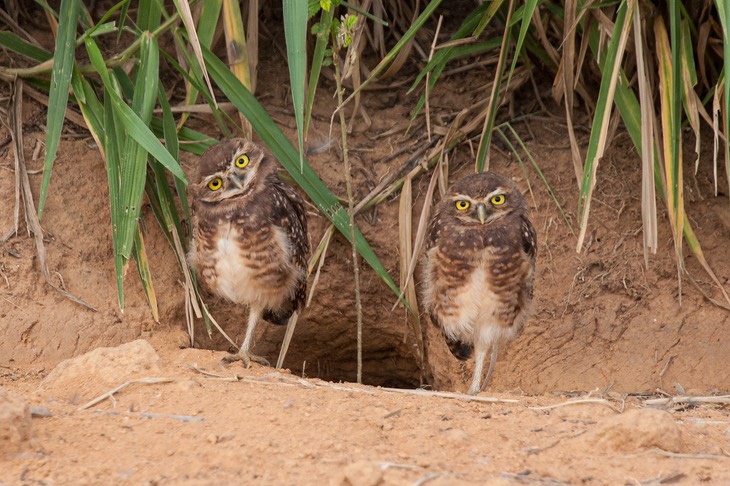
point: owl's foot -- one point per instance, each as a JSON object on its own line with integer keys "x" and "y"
{"x": 246, "y": 357}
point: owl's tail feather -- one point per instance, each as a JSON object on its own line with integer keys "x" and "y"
{"x": 459, "y": 349}
{"x": 279, "y": 316}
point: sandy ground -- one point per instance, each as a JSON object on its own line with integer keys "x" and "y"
{"x": 263, "y": 426}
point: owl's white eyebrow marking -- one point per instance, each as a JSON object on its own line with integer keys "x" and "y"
{"x": 459, "y": 197}
{"x": 499, "y": 190}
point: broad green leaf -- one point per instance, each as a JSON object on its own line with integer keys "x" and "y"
{"x": 134, "y": 156}
{"x": 529, "y": 10}
{"x": 145, "y": 275}
{"x": 670, "y": 82}
{"x": 295, "y": 30}
{"x": 320, "y": 47}
{"x": 16, "y": 44}
{"x": 63, "y": 61}
{"x": 113, "y": 135}
{"x": 724, "y": 12}
{"x": 149, "y": 13}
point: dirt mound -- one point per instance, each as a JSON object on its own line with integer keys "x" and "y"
{"x": 15, "y": 422}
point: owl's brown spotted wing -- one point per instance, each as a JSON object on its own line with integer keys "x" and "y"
{"x": 289, "y": 213}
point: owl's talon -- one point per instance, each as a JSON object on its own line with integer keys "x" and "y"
{"x": 246, "y": 359}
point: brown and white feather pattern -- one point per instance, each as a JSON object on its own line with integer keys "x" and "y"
{"x": 480, "y": 264}
{"x": 250, "y": 243}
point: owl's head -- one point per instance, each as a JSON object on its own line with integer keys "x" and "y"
{"x": 483, "y": 199}
{"x": 230, "y": 169}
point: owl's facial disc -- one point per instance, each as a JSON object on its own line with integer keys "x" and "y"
{"x": 483, "y": 210}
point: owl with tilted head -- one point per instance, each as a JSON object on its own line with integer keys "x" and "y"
{"x": 249, "y": 235}
{"x": 479, "y": 268}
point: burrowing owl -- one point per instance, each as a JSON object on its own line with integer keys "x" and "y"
{"x": 480, "y": 268}
{"x": 249, "y": 235}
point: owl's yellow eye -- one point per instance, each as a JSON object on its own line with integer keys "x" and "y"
{"x": 498, "y": 200}
{"x": 215, "y": 184}
{"x": 242, "y": 161}
{"x": 462, "y": 205}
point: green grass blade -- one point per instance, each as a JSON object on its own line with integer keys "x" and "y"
{"x": 493, "y": 8}
{"x": 288, "y": 156}
{"x": 610, "y": 70}
{"x": 189, "y": 140}
{"x": 409, "y": 34}
{"x": 111, "y": 136}
{"x": 528, "y": 11}
{"x": 140, "y": 132}
{"x": 63, "y": 61}
{"x": 134, "y": 156}
{"x": 145, "y": 275}
{"x": 441, "y": 56}
{"x": 183, "y": 7}
{"x": 482, "y": 161}
{"x": 724, "y": 10}
{"x": 209, "y": 15}
{"x": 670, "y": 83}
{"x": 689, "y": 81}
{"x": 320, "y": 47}
{"x": 295, "y": 30}
{"x": 194, "y": 80}
{"x": 149, "y": 14}
{"x": 438, "y": 64}
{"x": 16, "y": 44}
{"x": 630, "y": 111}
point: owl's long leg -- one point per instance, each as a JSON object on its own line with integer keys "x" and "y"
{"x": 492, "y": 361}
{"x": 479, "y": 358}
{"x": 244, "y": 354}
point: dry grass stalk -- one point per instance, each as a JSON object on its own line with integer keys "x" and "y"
{"x": 407, "y": 256}
{"x": 581, "y": 401}
{"x": 351, "y": 214}
{"x": 648, "y": 128}
{"x": 686, "y": 400}
{"x": 23, "y": 183}
{"x": 237, "y": 52}
{"x": 110, "y": 393}
{"x": 290, "y": 326}
{"x": 427, "y": 107}
{"x": 318, "y": 258}
{"x": 252, "y": 41}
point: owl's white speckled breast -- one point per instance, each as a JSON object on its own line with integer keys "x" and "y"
{"x": 243, "y": 275}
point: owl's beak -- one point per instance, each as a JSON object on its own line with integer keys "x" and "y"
{"x": 233, "y": 178}
{"x": 482, "y": 212}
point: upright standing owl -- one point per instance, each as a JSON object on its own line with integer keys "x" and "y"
{"x": 249, "y": 231}
{"x": 480, "y": 268}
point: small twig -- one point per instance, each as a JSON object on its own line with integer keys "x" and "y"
{"x": 581, "y": 401}
{"x": 183, "y": 418}
{"x": 459, "y": 396}
{"x": 110, "y": 393}
{"x": 350, "y": 205}
{"x": 427, "y": 478}
{"x": 195, "y": 367}
{"x": 677, "y": 455}
{"x": 686, "y": 400}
